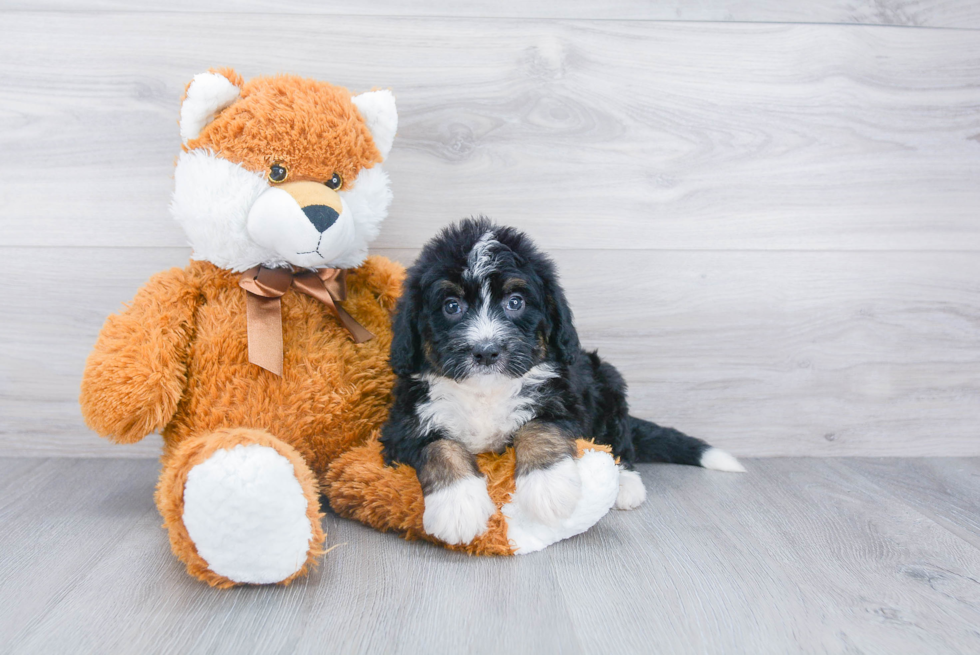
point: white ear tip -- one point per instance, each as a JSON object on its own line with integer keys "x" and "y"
{"x": 718, "y": 460}
{"x": 207, "y": 95}
{"x": 381, "y": 116}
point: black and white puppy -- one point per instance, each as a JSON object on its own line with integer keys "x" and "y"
{"x": 486, "y": 357}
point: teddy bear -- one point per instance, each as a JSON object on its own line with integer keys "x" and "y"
{"x": 265, "y": 360}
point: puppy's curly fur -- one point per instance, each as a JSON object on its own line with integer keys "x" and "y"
{"x": 487, "y": 355}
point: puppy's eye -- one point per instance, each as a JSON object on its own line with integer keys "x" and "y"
{"x": 515, "y": 303}
{"x": 278, "y": 173}
{"x": 335, "y": 182}
{"x": 453, "y": 307}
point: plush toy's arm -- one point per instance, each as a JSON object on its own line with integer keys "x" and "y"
{"x": 384, "y": 278}
{"x": 135, "y": 376}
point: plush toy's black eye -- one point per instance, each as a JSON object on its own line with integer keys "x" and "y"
{"x": 453, "y": 307}
{"x": 277, "y": 173}
{"x": 334, "y": 182}
{"x": 515, "y": 303}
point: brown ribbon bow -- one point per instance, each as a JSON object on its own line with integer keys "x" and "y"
{"x": 265, "y": 286}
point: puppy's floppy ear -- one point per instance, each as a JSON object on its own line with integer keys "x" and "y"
{"x": 406, "y": 342}
{"x": 205, "y": 97}
{"x": 563, "y": 339}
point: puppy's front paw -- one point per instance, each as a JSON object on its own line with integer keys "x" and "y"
{"x": 550, "y": 494}
{"x": 459, "y": 513}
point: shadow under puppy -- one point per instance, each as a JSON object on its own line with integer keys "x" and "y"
{"x": 487, "y": 356}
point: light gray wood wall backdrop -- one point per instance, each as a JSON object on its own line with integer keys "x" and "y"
{"x": 766, "y": 213}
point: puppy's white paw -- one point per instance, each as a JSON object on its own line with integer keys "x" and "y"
{"x": 459, "y": 513}
{"x": 550, "y": 494}
{"x": 632, "y": 493}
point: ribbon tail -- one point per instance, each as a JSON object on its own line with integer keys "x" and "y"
{"x": 330, "y": 292}
{"x": 264, "y": 317}
{"x": 357, "y": 331}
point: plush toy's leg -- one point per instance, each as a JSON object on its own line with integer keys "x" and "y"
{"x": 241, "y": 507}
{"x": 361, "y": 487}
{"x": 600, "y": 486}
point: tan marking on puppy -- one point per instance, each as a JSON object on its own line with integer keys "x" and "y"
{"x": 452, "y": 287}
{"x": 538, "y": 445}
{"x": 541, "y": 351}
{"x": 445, "y": 463}
{"x": 513, "y": 284}
{"x": 430, "y": 355}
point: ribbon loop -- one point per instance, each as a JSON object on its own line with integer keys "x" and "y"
{"x": 265, "y": 286}
{"x": 266, "y": 282}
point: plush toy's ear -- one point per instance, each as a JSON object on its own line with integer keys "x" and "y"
{"x": 206, "y": 95}
{"x": 406, "y": 342}
{"x": 378, "y": 110}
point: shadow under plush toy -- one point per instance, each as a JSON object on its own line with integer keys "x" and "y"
{"x": 263, "y": 363}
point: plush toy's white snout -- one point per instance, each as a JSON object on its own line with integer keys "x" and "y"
{"x": 305, "y": 223}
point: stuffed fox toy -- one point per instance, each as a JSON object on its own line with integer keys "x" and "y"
{"x": 264, "y": 361}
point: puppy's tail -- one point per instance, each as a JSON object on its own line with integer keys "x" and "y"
{"x": 658, "y": 444}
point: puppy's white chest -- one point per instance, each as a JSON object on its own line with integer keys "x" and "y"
{"x": 482, "y": 413}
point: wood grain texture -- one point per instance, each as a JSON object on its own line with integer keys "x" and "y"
{"x": 944, "y": 489}
{"x": 798, "y": 555}
{"x": 614, "y": 134}
{"x": 907, "y": 13}
{"x": 771, "y": 353}
{"x": 770, "y": 228}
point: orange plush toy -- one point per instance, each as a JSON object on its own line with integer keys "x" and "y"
{"x": 264, "y": 361}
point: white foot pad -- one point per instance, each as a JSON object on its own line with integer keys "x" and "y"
{"x": 632, "y": 493}
{"x": 599, "y": 477}
{"x": 458, "y": 513}
{"x": 246, "y": 513}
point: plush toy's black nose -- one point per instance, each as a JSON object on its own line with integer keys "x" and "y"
{"x": 321, "y": 216}
{"x": 486, "y": 354}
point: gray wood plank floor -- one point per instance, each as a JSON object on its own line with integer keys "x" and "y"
{"x": 799, "y": 555}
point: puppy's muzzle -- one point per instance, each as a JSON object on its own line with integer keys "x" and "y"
{"x": 321, "y": 205}
{"x": 486, "y": 354}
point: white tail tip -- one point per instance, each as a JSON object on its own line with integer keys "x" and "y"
{"x": 718, "y": 460}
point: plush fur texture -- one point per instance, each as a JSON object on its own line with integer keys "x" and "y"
{"x": 246, "y": 513}
{"x": 312, "y": 127}
{"x": 482, "y": 316}
{"x": 234, "y": 209}
{"x": 186, "y": 457}
{"x": 599, "y": 475}
{"x": 175, "y": 361}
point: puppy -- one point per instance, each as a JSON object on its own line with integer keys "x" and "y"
{"x": 487, "y": 356}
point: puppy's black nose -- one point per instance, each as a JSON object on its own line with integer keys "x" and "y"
{"x": 321, "y": 216}
{"x": 486, "y": 354}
